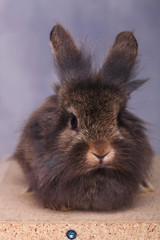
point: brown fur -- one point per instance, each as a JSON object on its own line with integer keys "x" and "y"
{"x": 66, "y": 146}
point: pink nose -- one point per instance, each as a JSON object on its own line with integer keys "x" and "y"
{"x": 100, "y": 158}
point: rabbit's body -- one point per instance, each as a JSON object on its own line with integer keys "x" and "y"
{"x": 82, "y": 149}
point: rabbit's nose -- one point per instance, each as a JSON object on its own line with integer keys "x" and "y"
{"x": 101, "y": 158}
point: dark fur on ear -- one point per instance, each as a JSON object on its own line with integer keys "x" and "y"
{"x": 120, "y": 59}
{"x": 74, "y": 64}
{"x": 71, "y": 62}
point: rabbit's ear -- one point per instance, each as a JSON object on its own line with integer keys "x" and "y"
{"x": 63, "y": 45}
{"x": 70, "y": 62}
{"x": 121, "y": 58}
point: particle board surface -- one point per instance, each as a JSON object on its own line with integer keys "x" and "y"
{"x": 24, "y": 217}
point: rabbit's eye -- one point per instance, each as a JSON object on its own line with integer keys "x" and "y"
{"x": 73, "y": 122}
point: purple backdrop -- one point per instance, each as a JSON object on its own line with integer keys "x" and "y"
{"x": 26, "y": 62}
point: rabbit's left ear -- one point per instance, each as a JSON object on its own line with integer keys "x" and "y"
{"x": 120, "y": 59}
{"x": 63, "y": 45}
{"x": 69, "y": 59}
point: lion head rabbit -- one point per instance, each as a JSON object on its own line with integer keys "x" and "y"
{"x": 82, "y": 149}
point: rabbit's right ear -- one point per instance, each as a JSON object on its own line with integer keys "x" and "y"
{"x": 120, "y": 59}
{"x": 70, "y": 62}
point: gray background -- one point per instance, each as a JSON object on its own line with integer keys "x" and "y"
{"x": 26, "y": 70}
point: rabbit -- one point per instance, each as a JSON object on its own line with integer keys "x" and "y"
{"x": 83, "y": 149}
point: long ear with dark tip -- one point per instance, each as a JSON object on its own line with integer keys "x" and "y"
{"x": 62, "y": 44}
{"x": 70, "y": 62}
{"x": 121, "y": 58}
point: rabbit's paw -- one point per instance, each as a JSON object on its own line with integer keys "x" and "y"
{"x": 57, "y": 207}
{"x": 28, "y": 192}
{"x": 146, "y": 187}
